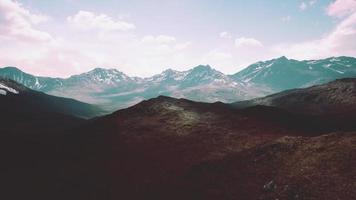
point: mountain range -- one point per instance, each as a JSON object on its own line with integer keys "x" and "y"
{"x": 112, "y": 89}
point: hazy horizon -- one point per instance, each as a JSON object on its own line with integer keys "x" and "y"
{"x": 187, "y": 69}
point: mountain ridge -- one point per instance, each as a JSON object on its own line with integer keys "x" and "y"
{"x": 114, "y": 89}
{"x": 317, "y": 99}
{"x": 282, "y": 73}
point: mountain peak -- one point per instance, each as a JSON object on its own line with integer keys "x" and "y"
{"x": 102, "y": 75}
{"x": 105, "y": 70}
{"x": 169, "y": 71}
{"x": 202, "y": 68}
{"x": 282, "y": 58}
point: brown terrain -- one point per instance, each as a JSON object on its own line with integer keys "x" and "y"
{"x": 167, "y": 148}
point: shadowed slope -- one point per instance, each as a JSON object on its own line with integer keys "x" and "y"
{"x": 25, "y": 101}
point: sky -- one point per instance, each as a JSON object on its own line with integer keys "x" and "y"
{"x": 59, "y": 38}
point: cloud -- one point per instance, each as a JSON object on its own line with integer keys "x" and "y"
{"x": 225, "y": 35}
{"x": 303, "y": 6}
{"x": 341, "y": 8}
{"x": 16, "y": 22}
{"x": 247, "y": 42}
{"x": 335, "y": 43}
{"x": 86, "y": 20}
{"x": 88, "y": 40}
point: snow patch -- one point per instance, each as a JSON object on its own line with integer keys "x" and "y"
{"x": 37, "y": 83}
{"x": 3, "y": 92}
{"x": 338, "y": 71}
{"x": 269, "y": 65}
{"x": 8, "y": 89}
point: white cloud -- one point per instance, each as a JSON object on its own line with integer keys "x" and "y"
{"x": 225, "y": 35}
{"x": 16, "y": 22}
{"x": 110, "y": 45}
{"x": 341, "y": 8}
{"x": 247, "y": 42}
{"x": 335, "y": 43}
{"x": 88, "y": 20}
{"x": 303, "y": 6}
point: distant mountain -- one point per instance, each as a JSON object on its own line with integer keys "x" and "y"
{"x": 282, "y": 73}
{"x": 113, "y": 89}
{"x": 17, "y": 100}
{"x": 201, "y": 83}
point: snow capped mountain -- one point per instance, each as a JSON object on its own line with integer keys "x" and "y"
{"x": 282, "y": 73}
{"x": 168, "y": 75}
{"x": 102, "y": 76}
{"x": 201, "y": 83}
{"x": 114, "y": 89}
{"x": 204, "y": 74}
{"x": 200, "y": 75}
